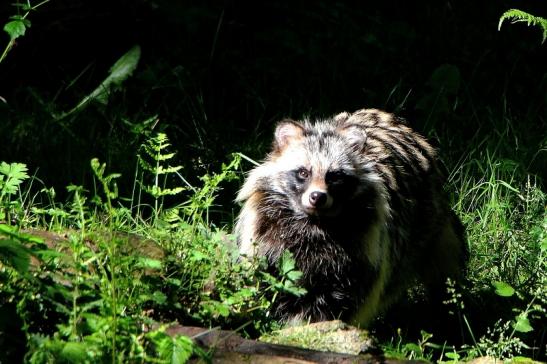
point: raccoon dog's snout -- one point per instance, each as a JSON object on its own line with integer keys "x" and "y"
{"x": 317, "y": 202}
{"x": 318, "y": 198}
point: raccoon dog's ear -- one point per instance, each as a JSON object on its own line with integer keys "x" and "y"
{"x": 342, "y": 117}
{"x": 355, "y": 134}
{"x": 286, "y": 131}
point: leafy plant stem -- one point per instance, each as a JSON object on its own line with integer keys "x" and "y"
{"x": 76, "y": 249}
{"x": 157, "y": 180}
{"x": 472, "y": 335}
{"x": 12, "y": 40}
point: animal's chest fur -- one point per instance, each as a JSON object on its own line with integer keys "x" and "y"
{"x": 336, "y": 272}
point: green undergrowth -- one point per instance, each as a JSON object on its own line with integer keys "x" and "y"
{"x": 499, "y": 310}
{"x": 504, "y": 208}
{"x": 102, "y": 278}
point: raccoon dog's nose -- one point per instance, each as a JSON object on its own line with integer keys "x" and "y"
{"x": 318, "y": 198}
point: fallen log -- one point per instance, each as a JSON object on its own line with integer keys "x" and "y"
{"x": 229, "y": 347}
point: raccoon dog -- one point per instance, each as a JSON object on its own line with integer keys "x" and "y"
{"x": 358, "y": 200}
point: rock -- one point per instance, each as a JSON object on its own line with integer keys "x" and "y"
{"x": 333, "y": 336}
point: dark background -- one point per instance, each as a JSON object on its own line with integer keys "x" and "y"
{"x": 220, "y": 73}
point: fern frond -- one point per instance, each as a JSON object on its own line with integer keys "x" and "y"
{"x": 145, "y": 165}
{"x": 14, "y": 174}
{"x": 157, "y": 192}
{"x": 166, "y": 157}
{"x": 168, "y": 170}
{"x": 516, "y": 16}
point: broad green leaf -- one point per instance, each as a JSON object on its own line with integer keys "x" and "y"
{"x": 14, "y": 254}
{"x": 149, "y": 263}
{"x": 119, "y": 72}
{"x": 124, "y": 67}
{"x": 48, "y": 254}
{"x": 287, "y": 263}
{"x": 293, "y": 289}
{"x": 182, "y": 350}
{"x": 15, "y": 233}
{"x": 414, "y": 348}
{"x": 216, "y": 308}
{"x": 15, "y": 28}
{"x": 246, "y": 292}
{"x": 294, "y": 275}
{"x": 7, "y": 230}
{"x": 74, "y": 352}
{"x": 522, "y": 324}
{"x": 31, "y": 238}
{"x": 159, "y": 297}
{"x": 21, "y": 18}
{"x": 197, "y": 256}
{"x": 93, "y": 321}
{"x": 503, "y": 289}
{"x": 175, "y": 350}
{"x": 222, "y": 309}
{"x": 174, "y": 281}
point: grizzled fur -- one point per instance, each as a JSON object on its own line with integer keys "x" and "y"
{"x": 358, "y": 200}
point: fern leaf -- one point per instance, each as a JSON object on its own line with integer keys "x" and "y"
{"x": 517, "y": 16}
{"x": 149, "y": 149}
{"x": 165, "y": 157}
{"x": 168, "y": 170}
{"x": 14, "y": 173}
{"x": 145, "y": 165}
{"x": 161, "y": 138}
{"x": 156, "y": 191}
{"x": 172, "y": 191}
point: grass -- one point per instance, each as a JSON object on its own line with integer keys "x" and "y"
{"x": 505, "y": 211}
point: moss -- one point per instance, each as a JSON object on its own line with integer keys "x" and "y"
{"x": 332, "y": 336}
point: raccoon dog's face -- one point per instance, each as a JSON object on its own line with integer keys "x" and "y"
{"x": 319, "y": 167}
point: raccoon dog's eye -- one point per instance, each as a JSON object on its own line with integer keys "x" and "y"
{"x": 336, "y": 177}
{"x": 302, "y": 174}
